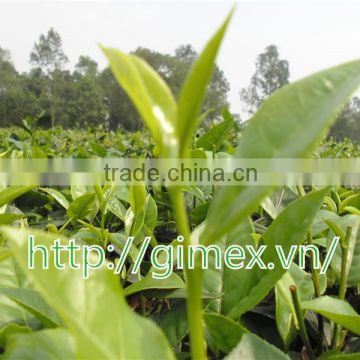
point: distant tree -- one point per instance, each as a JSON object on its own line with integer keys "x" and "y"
{"x": 347, "y": 124}
{"x": 121, "y": 111}
{"x": 48, "y": 55}
{"x": 87, "y": 66}
{"x": 86, "y": 104}
{"x": 186, "y": 53}
{"x": 15, "y": 101}
{"x": 9, "y": 88}
{"x": 271, "y": 74}
{"x": 5, "y": 56}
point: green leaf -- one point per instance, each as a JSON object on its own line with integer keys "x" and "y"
{"x": 353, "y": 258}
{"x": 137, "y": 198}
{"x": 112, "y": 197}
{"x": 319, "y": 225}
{"x": 174, "y": 281}
{"x": 79, "y": 190}
{"x": 336, "y": 310}
{"x": 352, "y": 210}
{"x": 269, "y": 207}
{"x": 150, "y": 95}
{"x": 34, "y": 303}
{"x": 58, "y": 196}
{"x": 120, "y": 239}
{"x": 338, "y": 355}
{"x": 82, "y": 206}
{"x": 133, "y": 224}
{"x": 7, "y": 219}
{"x": 335, "y": 229}
{"x": 11, "y": 193}
{"x": 10, "y": 277}
{"x": 288, "y": 125}
{"x": 10, "y": 329}
{"x": 135, "y": 215}
{"x": 289, "y": 228}
{"x": 98, "y": 149}
{"x": 213, "y": 139}
{"x": 83, "y": 305}
{"x": 224, "y": 283}
{"x": 252, "y": 347}
{"x": 45, "y": 345}
{"x": 151, "y": 213}
{"x": 174, "y": 323}
{"x": 117, "y": 208}
{"x": 225, "y": 332}
{"x": 351, "y": 201}
{"x": 193, "y": 91}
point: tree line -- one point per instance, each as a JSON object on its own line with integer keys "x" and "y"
{"x": 88, "y": 96}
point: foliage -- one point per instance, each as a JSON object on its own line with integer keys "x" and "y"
{"x": 271, "y": 74}
{"x": 331, "y": 148}
{"x": 216, "y": 313}
{"x": 348, "y": 122}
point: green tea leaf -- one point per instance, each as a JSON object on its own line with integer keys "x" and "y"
{"x": 353, "y": 257}
{"x": 79, "y": 190}
{"x": 7, "y": 219}
{"x": 9, "y": 310}
{"x": 82, "y": 206}
{"x": 34, "y": 303}
{"x": 225, "y": 332}
{"x": 174, "y": 281}
{"x": 150, "y": 95}
{"x": 351, "y": 201}
{"x": 84, "y": 304}
{"x": 58, "y": 196}
{"x": 224, "y": 283}
{"x": 193, "y": 91}
{"x": 288, "y": 124}
{"x": 174, "y": 323}
{"x": 289, "y": 228}
{"x": 10, "y": 329}
{"x": 252, "y": 347}
{"x": 137, "y": 198}
{"x": 45, "y": 344}
{"x": 11, "y": 193}
{"x": 269, "y": 207}
{"x": 336, "y": 310}
{"x": 117, "y": 208}
{"x": 151, "y": 213}
{"x": 212, "y": 139}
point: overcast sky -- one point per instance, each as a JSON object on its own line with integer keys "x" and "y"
{"x": 311, "y": 34}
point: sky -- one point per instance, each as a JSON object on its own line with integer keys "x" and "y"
{"x": 310, "y": 34}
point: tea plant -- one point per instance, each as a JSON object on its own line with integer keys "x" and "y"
{"x": 246, "y": 313}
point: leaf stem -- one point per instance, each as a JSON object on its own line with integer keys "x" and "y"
{"x": 344, "y": 244}
{"x": 65, "y": 225}
{"x": 344, "y": 263}
{"x": 317, "y": 288}
{"x": 316, "y": 281}
{"x": 300, "y": 320}
{"x": 193, "y": 279}
{"x": 102, "y": 203}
